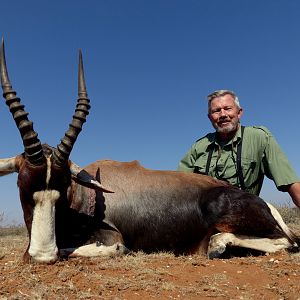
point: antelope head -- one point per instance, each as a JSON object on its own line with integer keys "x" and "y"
{"x": 44, "y": 173}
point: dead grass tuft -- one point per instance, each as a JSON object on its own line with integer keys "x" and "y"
{"x": 152, "y": 276}
{"x": 291, "y": 215}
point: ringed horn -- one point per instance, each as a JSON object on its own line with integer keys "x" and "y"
{"x": 62, "y": 153}
{"x": 32, "y": 145}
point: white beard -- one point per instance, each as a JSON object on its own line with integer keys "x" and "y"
{"x": 232, "y": 126}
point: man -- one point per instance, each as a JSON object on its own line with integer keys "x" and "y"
{"x": 237, "y": 154}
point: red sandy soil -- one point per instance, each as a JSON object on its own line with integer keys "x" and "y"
{"x": 141, "y": 276}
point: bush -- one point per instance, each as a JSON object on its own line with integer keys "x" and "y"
{"x": 13, "y": 230}
{"x": 290, "y": 215}
{"x": 6, "y": 230}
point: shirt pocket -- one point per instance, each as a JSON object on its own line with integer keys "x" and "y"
{"x": 201, "y": 163}
{"x": 249, "y": 167}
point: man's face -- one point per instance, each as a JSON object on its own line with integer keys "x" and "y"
{"x": 224, "y": 114}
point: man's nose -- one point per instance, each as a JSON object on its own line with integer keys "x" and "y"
{"x": 223, "y": 113}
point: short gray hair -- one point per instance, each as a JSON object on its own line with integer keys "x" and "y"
{"x": 220, "y": 93}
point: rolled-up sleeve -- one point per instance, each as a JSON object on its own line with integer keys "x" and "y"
{"x": 186, "y": 164}
{"x": 276, "y": 165}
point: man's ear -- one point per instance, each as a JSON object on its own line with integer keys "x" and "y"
{"x": 240, "y": 114}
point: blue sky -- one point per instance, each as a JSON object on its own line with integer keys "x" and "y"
{"x": 149, "y": 66}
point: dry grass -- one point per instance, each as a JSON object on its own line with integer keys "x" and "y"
{"x": 154, "y": 276}
{"x": 12, "y": 230}
{"x": 291, "y": 215}
{"x": 142, "y": 276}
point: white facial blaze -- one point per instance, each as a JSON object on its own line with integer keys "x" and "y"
{"x": 43, "y": 240}
{"x": 48, "y": 170}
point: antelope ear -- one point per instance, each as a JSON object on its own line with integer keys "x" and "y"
{"x": 82, "y": 177}
{"x": 9, "y": 165}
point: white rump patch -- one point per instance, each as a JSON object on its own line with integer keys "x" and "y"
{"x": 275, "y": 213}
{"x": 43, "y": 240}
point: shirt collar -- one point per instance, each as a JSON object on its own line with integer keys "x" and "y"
{"x": 235, "y": 140}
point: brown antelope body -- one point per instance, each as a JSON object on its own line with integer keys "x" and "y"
{"x": 68, "y": 212}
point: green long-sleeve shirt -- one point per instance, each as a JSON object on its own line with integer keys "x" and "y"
{"x": 261, "y": 156}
